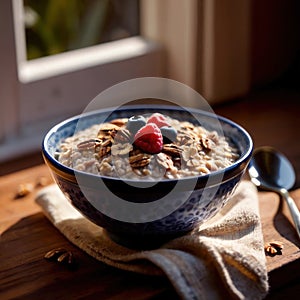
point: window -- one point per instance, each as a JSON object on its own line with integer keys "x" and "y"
{"x": 40, "y": 92}
{"x": 35, "y": 94}
{"x": 55, "y": 26}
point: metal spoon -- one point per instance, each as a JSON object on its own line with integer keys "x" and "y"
{"x": 271, "y": 170}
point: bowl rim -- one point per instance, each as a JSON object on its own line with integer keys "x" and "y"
{"x": 230, "y": 171}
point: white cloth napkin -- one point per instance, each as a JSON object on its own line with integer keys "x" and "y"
{"x": 223, "y": 258}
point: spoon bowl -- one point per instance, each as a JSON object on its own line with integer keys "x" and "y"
{"x": 271, "y": 170}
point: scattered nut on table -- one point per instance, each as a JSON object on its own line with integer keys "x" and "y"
{"x": 24, "y": 189}
{"x": 62, "y": 256}
{"x": 42, "y": 181}
{"x": 273, "y": 248}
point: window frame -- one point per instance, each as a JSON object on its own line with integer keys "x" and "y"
{"x": 160, "y": 20}
{"x": 34, "y": 89}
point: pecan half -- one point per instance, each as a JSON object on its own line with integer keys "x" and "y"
{"x": 104, "y": 136}
{"x": 62, "y": 256}
{"x": 107, "y": 130}
{"x": 66, "y": 257}
{"x": 106, "y": 143}
{"x": 119, "y": 122}
{"x": 102, "y": 151}
{"x": 104, "y": 147}
{"x": 89, "y": 144}
{"x": 172, "y": 149}
{"x": 139, "y": 160}
{"x": 184, "y": 138}
{"x": 105, "y": 127}
{"x": 164, "y": 160}
{"x": 122, "y": 136}
{"x": 54, "y": 254}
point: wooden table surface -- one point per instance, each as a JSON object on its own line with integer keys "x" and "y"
{"x": 26, "y": 234}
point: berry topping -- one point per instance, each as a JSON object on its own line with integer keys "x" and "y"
{"x": 169, "y": 133}
{"x": 149, "y": 139}
{"x": 135, "y": 123}
{"x": 159, "y": 120}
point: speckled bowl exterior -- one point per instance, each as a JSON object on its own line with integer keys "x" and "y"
{"x": 208, "y": 196}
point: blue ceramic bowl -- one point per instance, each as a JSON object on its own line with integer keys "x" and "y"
{"x": 187, "y": 203}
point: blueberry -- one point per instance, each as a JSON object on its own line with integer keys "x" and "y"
{"x": 135, "y": 123}
{"x": 169, "y": 133}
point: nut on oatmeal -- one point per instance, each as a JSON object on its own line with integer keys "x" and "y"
{"x": 110, "y": 149}
{"x": 165, "y": 161}
{"x": 119, "y": 122}
{"x": 89, "y": 144}
{"x": 172, "y": 149}
{"x": 123, "y": 136}
{"x": 206, "y": 143}
{"x": 139, "y": 160}
{"x": 103, "y": 150}
{"x": 121, "y": 149}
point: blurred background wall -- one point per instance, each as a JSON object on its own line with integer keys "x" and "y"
{"x": 275, "y": 35}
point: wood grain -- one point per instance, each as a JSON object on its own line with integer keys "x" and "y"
{"x": 26, "y": 235}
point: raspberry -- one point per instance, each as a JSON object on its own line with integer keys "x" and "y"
{"x": 159, "y": 120}
{"x": 149, "y": 139}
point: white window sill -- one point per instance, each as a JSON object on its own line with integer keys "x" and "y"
{"x": 63, "y": 63}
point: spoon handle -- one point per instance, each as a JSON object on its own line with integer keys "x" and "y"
{"x": 293, "y": 210}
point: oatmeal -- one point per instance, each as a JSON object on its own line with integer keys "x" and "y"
{"x": 151, "y": 147}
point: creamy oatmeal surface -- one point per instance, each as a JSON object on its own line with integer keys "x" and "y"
{"x": 117, "y": 149}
